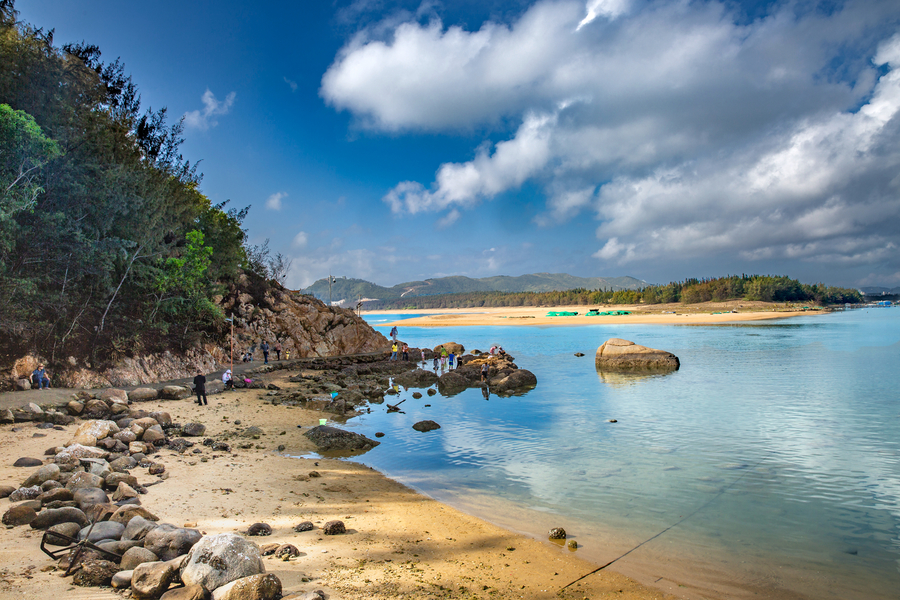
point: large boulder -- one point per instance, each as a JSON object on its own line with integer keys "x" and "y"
{"x": 151, "y": 579}
{"x": 104, "y": 530}
{"x": 417, "y": 378}
{"x": 87, "y": 497}
{"x": 138, "y": 528}
{"x": 331, "y": 438}
{"x": 451, "y": 347}
{"x": 126, "y": 513}
{"x": 168, "y": 541}
{"x": 621, "y": 355}
{"x": 79, "y": 451}
{"x": 143, "y": 394}
{"x": 45, "y": 473}
{"x": 220, "y": 559}
{"x": 114, "y": 395}
{"x": 84, "y": 480}
{"x": 174, "y": 392}
{"x": 517, "y": 382}
{"x": 452, "y": 382}
{"x": 19, "y": 515}
{"x": 256, "y": 587}
{"x": 54, "y": 516}
{"x": 136, "y": 556}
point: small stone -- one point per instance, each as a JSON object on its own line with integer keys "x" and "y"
{"x": 304, "y": 526}
{"x": 424, "y": 426}
{"x": 379, "y": 434}
{"x": 259, "y": 529}
{"x": 334, "y": 528}
{"x": 156, "y": 469}
{"x": 572, "y": 545}
{"x": 557, "y": 533}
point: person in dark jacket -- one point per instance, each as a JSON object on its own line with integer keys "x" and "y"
{"x": 200, "y": 388}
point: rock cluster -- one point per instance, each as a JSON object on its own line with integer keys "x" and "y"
{"x": 622, "y": 355}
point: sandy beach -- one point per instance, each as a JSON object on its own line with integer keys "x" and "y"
{"x": 399, "y": 543}
{"x": 707, "y": 313}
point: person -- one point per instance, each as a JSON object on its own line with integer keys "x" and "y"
{"x": 227, "y": 379}
{"x": 287, "y": 355}
{"x": 39, "y": 378}
{"x": 493, "y": 350}
{"x": 394, "y": 351}
{"x": 484, "y": 371}
{"x": 451, "y": 358}
{"x": 437, "y": 360}
{"x": 394, "y": 333}
{"x": 405, "y": 353}
{"x": 501, "y": 351}
{"x": 444, "y": 354}
{"x": 200, "y": 388}
{"x": 277, "y": 349}
{"x": 423, "y": 357}
{"x": 265, "y": 350}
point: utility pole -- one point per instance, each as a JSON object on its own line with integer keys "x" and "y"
{"x": 330, "y": 281}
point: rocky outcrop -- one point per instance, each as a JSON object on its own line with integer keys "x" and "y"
{"x": 621, "y": 355}
{"x": 331, "y": 438}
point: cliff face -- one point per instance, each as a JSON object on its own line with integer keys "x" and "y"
{"x": 302, "y": 325}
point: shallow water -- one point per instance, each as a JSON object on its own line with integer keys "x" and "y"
{"x": 767, "y": 465}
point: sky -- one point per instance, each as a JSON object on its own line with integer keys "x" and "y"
{"x": 394, "y": 141}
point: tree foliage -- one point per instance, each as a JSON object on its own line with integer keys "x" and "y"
{"x": 104, "y": 228}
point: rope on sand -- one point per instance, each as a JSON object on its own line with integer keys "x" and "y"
{"x": 675, "y": 524}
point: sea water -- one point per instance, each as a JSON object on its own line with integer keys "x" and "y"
{"x": 766, "y": 466}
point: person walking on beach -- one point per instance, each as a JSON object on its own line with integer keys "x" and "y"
{"x": 277, "y": 349}
{"x": 265, "y": 350}
{"x": 200, "y": 388}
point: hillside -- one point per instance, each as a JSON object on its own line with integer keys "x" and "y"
{"x": 343, "y": 288}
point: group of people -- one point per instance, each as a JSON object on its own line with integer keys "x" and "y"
{"x": 443, "y": 358}
{"x": 402, "y": 349}
{"x": 265, "y": 348}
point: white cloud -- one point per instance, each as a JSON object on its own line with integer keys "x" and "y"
{"x": 300, "y": 240}
{"x": 212, "y": 108}
{"x": 273, "y": 202}
{"x": 683, "y": 126}
{"x": 291, "y": 84}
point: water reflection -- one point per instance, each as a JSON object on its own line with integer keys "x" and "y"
{"x": 629, "y": 378}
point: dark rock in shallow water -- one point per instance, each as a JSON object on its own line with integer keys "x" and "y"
{"x": 426, "y": 426}
{"x": 557, "y": 533}
{"x": 418, "y": 378}
{"x": 516, "y": 382}
{"x": 332, "y": 438}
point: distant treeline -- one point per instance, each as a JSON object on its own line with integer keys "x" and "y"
{"x": 107, "y": 246}
{"x": 690, "y": 291}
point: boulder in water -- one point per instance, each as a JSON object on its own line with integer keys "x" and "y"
{"x": 622, "y": 355}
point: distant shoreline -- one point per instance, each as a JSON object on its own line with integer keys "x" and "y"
{"x": 656, "y": 314}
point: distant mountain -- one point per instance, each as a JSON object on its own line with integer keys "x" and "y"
{"x": 343, "y": 288}
{"x": 880, "y": 291}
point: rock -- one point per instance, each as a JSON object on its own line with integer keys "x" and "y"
{"x": 417, "y": 395}
{"x": 114, "y": 395}
{"x": 621, "y": 355}
{"x": 557, "y": 533}
{"x": 136, "y": 556}
{"x": 162, "y": 418}
{"x": 26, "y": 493}
{"x": 84, "y": 480}
{"x": 121, "y": 580}
{"x": 28, "y": 462}
{"x": 6, "y": 490}
{"x": 188, "y": 592}
{"x": 126, "y": 513}
{"x": 268, "y": 549}
{"x": 174, "y": 392}
{"x": 432, "y": 391}
{"x": 96, "y": 466}
{"x": 579, "y": 354}
{"x": 23, "y": 384}
{"x": 452, "y": 347}
{"x": 126, "y": 437}
{"x": 104, "y": 530}
{"x": 193, "y": 429}
{"x": 517, "y": 382}
{"x": 287, "y": 550}
{"x": 168, "y": 541}
{"x": 143, "y": 394}
{"x": 304, "y": 526}
{"x": 151, "y": 579}
{"x": 51, "y": 517}
{"x": 59, "y": 494}
{"x": 123, "y": 492}
{"x": 95, "y": 409}
{"x": 259, "y": 529}
{"x": 120, "y": 547}
{"x": 158, "y": 468}
{"x": 19, "y": 515}
{"x": 180, "y": 444}
{"x": 45, "y": 473}
{"x": 332, "y": 438}
{"x": 87, "y": 497}
{"x": 138, "y": 448}
{"x": 452, "y": 382}
{"x": 426, "y": 426}
{"x": 144, "y": 422}
{"x": 417, "y": 378}
{"x": 220, "y": 559}
{"x": 113, "y": 480}
{"x": 95, "y": 573}
{"x": 75, "y": 408}
{"x": 7, "y": 416}
{"x": 334, "y": 528}
{"x": 256, "y": 587}
{"x": 379, "y": 434}
{"x": 70, "y": 530}
{"x": 79, "y": 451}
{"x": 138, "y": 528}
{"x": 100, "y": 512}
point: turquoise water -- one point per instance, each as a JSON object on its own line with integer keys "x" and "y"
{"x": 767, "y": 466}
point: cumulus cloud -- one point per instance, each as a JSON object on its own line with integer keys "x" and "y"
{"x": 300, "y": 240}
{"x": 683, "y": 127}
{"x": 273, "y": 202}
{"x": 212, "y": 108}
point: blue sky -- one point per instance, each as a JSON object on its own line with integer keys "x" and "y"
{"x": 394, "y": 141}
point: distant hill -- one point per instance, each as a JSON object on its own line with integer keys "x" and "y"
{"x": 880, "y": 291}
{"x": 343, "y": 288}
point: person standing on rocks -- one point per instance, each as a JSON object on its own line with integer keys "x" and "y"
{"x": 484, "y": 372}
{"x": 451, "y": 359}
{"x": 265, "y": 350}
{"x": 394, "y": 350}
{"x": 200, "y": 388}
{"x": 277, "y": 349}
{"x": 423, "y": 358}
{"x": 394, "y": 333}
{"x": 405, "y": 353}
